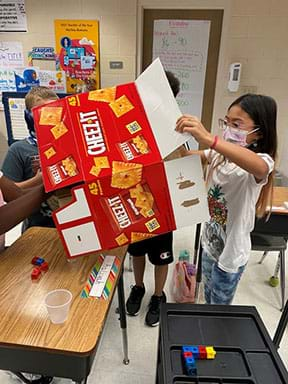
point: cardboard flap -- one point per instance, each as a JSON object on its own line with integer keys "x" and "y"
{"x": 161, "y": 108}
{"x": 187, "y": 190}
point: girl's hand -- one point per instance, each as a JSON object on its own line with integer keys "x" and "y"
{"x": 193, "y": 125}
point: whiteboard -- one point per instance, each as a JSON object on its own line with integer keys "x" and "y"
{"x": 182, "y": 46}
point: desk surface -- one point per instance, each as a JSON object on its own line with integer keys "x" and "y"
{"x": 280, "y": 194}
{"x": 24, "y": 320}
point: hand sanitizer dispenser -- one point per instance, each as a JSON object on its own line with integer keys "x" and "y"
{"x": 234, "y": 77}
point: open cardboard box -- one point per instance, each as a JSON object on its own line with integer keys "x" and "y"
{"x": 109, "y": 145}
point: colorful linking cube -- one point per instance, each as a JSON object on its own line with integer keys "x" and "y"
{"x": 40, "y": 266}
{"x": 191, "y": 353}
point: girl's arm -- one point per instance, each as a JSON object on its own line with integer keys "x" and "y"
{"x": 241, "y": 156}
{"x": 198, "y": 152}
{"x": 19, "y": 205}
{"x": 32, "y": 182}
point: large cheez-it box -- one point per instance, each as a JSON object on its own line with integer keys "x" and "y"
{"x": 103, "y": 144}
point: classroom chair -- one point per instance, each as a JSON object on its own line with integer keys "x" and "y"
{"x": 267, "y": 243}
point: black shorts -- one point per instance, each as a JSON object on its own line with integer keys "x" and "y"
{"x": 158, "y": 248}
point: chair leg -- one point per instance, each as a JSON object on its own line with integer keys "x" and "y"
{"x": 282, "y": 277}
{"x": 263, "y": 257}
{"x": 274, "y": 279}
{"x": 130, "y": 269}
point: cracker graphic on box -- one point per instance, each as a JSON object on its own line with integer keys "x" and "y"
{"x": 139, "y": 236}
{"x": 125, "y": 175}
{"x": 107, "y": 95}
{"x": 50, "y": 115}
{"x": 70, "y": 166}
{"x": 133, "y": 127}
{"x": 50, "y": 152}
{"x": 152, "y": 225}
{"x": 59, "y": 130}
{"x": 95, "y": 171}
{"x": 141, "y": 144}
{"x": 121, "y": 106}
{"x": 143, "y": 199}
{"x": 101, "y": 162}
{"x": 121, "y": 239}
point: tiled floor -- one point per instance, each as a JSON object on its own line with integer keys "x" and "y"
{"x": 108, "y": 367}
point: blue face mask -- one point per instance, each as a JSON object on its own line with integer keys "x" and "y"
{"x": 29, "y": 121}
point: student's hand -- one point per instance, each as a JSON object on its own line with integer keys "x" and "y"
{"x": 35, "y": 164}
{"x": 193, "y": 125}
{"x": 38, "y": 178}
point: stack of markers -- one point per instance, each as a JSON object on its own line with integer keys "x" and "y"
{"x": 191, "y": 353}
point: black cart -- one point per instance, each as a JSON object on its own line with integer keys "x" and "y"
{"x": 245, "y": 351}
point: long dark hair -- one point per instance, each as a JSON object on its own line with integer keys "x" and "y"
{"x": 263, "y": 111}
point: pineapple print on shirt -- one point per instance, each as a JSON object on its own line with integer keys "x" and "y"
{"x": 217, "y": 205}
{"x": 214, "y": 236}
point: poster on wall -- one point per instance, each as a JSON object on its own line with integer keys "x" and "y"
{"x": 26, "y": 78}
{"x": 77, "y": 49}
{"x": 54, "y": 80}
{"x": 182, "y": 46}
{"x": 11, "y": 54}
{"x": 13, "y": 16}
{"x": 42, "y": 53}
{"x": 7, "y": 80}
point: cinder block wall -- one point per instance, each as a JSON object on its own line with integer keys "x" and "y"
{"x": 254, "y": 33}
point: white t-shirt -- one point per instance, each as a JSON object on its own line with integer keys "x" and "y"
{"x": 232, "y": 198}
{"x": 2, "y": 237}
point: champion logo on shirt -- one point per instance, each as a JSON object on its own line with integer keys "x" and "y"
{"x": 165, "y": 255}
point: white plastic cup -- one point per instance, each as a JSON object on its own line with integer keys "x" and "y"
{"x": 58, "y": 303}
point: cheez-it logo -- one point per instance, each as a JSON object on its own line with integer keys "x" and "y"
{"x": 119, "y": 212}
{"x": 92, "y": 132}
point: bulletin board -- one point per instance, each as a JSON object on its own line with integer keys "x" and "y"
{"x": 77, "y": 53}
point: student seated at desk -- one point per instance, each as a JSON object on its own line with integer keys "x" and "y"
{"x": 20, "y": 203}
{"x": 21, "y": 163}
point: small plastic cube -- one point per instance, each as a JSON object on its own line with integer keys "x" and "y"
{"x": 190, "y": 366}
{"x": 34, "y": 260}
{"x": 39, "y": 261}
{"x": 190, "y": 361}
{"x": 186, "y": 348}
{"x": 44, "y": 266}
{"x": 202, "y": 352}
{"x": 195, "y": 351}
{"x": 36, "y": 273}
{"x": 191, "y": 371}
{"x": 211, "y": 353}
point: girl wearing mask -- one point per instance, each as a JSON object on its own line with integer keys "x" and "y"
{"x": 240, "y": 183}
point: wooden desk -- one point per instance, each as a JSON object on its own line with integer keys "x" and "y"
{"x": 29, "y": 342}
{"x": 277, "y": 225}
{"x": 280, "y": 195}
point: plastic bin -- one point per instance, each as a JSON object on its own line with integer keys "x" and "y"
{"x": 245, "y": 352}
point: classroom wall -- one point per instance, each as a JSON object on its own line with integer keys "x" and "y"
{"x": 254, "y": 33}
